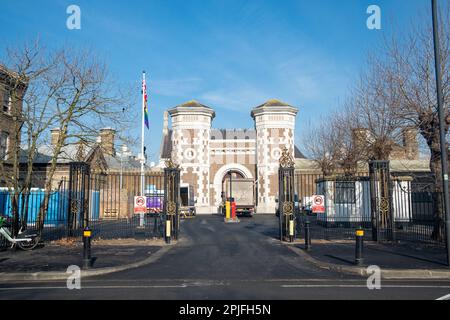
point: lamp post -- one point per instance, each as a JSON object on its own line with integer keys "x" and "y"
{"x": 440, "y": 102}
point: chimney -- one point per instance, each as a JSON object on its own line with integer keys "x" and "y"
{"x": 55, "y": 136}
{"x": 107, "y": 136}
{"x": 411, "y": 143}
{"x": 360, "y": 138}
{"x": 166, "y": 123}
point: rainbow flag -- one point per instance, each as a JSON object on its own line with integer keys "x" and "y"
{"x": 144, "y": 92}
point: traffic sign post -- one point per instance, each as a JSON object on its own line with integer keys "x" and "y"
{"x": 318, "y": 204}
{"x": 140, "y": 205}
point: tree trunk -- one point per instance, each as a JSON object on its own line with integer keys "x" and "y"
{"x": 439, "y": 218}
{"x": 24, "y": 208}
{"x": 15, "y": 213}
{"x": 429, "y": 129}
{"x": 42, "y": 212}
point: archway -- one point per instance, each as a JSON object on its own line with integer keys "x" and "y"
{"x": 235, "y": 175}
{"x": 221, "y": 175}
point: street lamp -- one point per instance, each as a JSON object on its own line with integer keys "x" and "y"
{"x": 440, "y": 102}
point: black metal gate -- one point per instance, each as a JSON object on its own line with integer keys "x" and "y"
{"x": 286, "y": 201}
{"x": 383, "y": 224}
{"x": 171, "y": 201}
{"x": 78, "y": 210}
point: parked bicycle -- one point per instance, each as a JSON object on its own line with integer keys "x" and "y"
{"x": 25, "y": 240}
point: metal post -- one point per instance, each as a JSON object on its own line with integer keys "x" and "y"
{"x": 359, "y": 246}
{"x": 87, "y": 233}
{"x": 440, "y": 101}
{"x": 231, "y": 184}
{"x": 141, "y": 215}
{"x": 307, "y": 236}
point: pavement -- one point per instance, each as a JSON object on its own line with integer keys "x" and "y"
{"x": 50, "y": 261}
{"x": 218, "y": 261}
{"x": 395, "y": 260}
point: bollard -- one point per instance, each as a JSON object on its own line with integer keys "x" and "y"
{"x": 228, "y": 210}
{"x": 307, "y": 236}
{"x": 233, "y": 209}
{"x": 291, "y": 230}
{"x": 359, "y": 246}
{"x": 168, "y": 231}
{"x": 87, "y": 234}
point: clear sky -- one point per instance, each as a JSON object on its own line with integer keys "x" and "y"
{"x": 231, "y": 55}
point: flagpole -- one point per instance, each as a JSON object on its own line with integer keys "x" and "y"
{"x": 141, "y": 218}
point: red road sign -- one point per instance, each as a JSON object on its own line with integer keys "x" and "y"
{"x": 318, "y": 204}
{"x": 140, "y": 205}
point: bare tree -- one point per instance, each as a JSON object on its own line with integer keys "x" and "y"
{"x": 371, "y": 116}
{"x": 407, "y": 68}
{"x": 331, "y": 145}
{"x": 67, "y": 89}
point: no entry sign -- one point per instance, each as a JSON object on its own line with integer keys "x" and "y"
{"x": 140, "y": 205}
{"x": 318, "y": 204}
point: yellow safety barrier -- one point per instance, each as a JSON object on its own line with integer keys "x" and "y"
{"x": 228, "y": 210}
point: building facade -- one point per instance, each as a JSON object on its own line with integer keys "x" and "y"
{"x": 207, "y": 156}
{"x": 11, "y": 93}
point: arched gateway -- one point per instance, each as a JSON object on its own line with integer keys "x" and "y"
{"x": 206, "y": 155}
{"x": 221, "y": 177}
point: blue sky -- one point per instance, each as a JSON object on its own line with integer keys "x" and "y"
{"x": 231, "y": 55}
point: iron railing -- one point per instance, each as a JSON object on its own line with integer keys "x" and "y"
{"x": 109, "y": 209}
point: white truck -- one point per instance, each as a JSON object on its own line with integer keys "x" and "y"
{"x": 243, "y": 192}
{"x": 187, "y": 200}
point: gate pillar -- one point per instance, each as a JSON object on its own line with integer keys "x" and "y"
{"x": 286, "y": 197}
{"x": 78, "y": 211}
{"x": 171, "y": 206}
{"x": 382, "y": 213}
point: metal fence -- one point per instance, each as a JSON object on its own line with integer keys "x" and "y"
{"x": 412, "y": 204}
{"x": 110, "y": 208}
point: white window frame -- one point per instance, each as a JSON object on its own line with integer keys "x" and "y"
{"x": 6, "y": 93}
{"x": 2, "y": 133}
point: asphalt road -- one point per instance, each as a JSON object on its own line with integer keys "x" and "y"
{"x": 228, "y": 262}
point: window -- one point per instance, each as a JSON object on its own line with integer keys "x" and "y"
{"x": 4, "y": 140}
{"x": 422, "y": 197}
{"x": 345, "y": 192}
{"x": 6, "y": 101}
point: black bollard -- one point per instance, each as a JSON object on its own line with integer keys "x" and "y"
{"x": 359, "y": 246}
{"x": 87, "y": 234}
{"x": 307, "y": 236}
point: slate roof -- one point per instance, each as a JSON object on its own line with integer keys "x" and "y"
{"x": 192, "y": 104}
{"x": 231, "y": 134}
{"x": 69, "y": 154}
{"x": 274, "y": 103}
{"x": 45, "y": 153}
{"x": 166, "y": 148}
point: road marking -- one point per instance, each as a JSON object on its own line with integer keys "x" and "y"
{"x": 295, "y": 281}
{"x": 93, "y": 287}
{"x": 210, "y": 284}
{"x": 447, "y": 297}
{"x": 360, "y": 286}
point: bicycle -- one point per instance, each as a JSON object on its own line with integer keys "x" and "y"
{"x": 24, "y": 240}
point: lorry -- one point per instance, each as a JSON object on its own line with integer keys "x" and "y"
{"x": 187, "y": 200}
{"x": 243, "y": 192}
